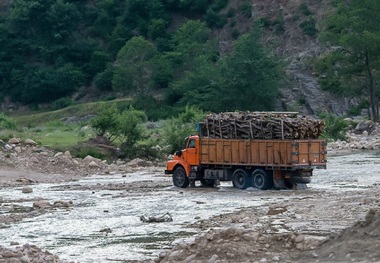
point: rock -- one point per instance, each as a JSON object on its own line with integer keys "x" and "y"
{"x": 68, "y": 154}
{"x": 139, "y": 162}
{"x": 25, "y": 259}
{"x": 14, "y": 140}
{"x": 30, "y": 142}
{"x": 89, "y": 159}
{"x": 299, "y": 239}
{"x": 27, "y": 190}
{"x": 105, "y": 230}
{"x": 58, "y": 154}
{"x": 41, "y": 204}
{"x": 18, "y": 149}
{"x": 9, "y": 254}
{"x": 33, "y": 159}
{"x": 93, "y": 165}
{"x": 61, "y": 203}
{"x": 367, "y": 126}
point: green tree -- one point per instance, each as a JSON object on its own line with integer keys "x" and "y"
{"x": 115, "y": 125}
{"x": 129, "y": 126}
{"x": 201, "y": 86}
{"x": 105, "y": 123}
{"x": 353, "y": 32}
{"x": 251, "y": 76}
{"x": 177, "y": 129}
{"x": 190, "y": 41}
{"x": 134, "y": 67}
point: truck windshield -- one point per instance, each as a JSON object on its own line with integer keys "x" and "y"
{"x": 185, "y": 142}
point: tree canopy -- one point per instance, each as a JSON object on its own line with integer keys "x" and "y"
{"x": 53, "y": 49}
{"x": 352, "y": 66}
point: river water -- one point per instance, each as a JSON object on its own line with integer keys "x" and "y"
{"x": 73, "y": 234}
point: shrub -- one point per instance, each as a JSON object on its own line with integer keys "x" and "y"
{"x": 246, "y": 10}
{"x": 61, "y": 103}
{"x": 213, "y": 19}
{"x": 81, "y": 151}
{"x": 231, "y": 12}
{"x": 304, "y": 9}
{"x": 7, "y": 122}
{"x": 308, "y": 27}
{"x": 335, "y": 127}
{"x": 235, "y": 33}
{"x": 177, "y": 129}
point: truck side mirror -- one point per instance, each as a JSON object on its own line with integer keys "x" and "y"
{"x": 178, "y": 153}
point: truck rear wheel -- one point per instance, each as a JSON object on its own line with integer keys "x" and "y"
{"x": 240, "y": 179}
{"x": 262, "y": 180}
{"x": 180, "y": 178}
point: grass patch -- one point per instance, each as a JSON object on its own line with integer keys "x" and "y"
{"x": 34, "y": 119}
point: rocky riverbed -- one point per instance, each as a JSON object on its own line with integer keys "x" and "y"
{"x": 336, "y": 220}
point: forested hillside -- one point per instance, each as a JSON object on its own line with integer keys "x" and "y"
{"x": 217, "y": 55}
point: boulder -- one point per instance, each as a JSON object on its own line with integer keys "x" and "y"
{"x": 14, "y": 140}
{"x": 368, "y": 126}
{"x": 41, "y": 204}
{"x": 93, "y": 165}
{"x": 27, "y": 190}
{"x": 139, "y": 162}
{"x": 30, "y": 142}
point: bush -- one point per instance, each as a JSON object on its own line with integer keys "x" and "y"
{"x": 235, "y": 33}
{"x": 304, "y": 9}
{"x": 61, "y": 103}
{"x": 335, "y": 127}
{"x": 81, "y": 151}
{"x": 7, "y": 122}
{"x": 246, "y": 10}
{"x": 155, "y": 109}
{"x": 177, "y": 129}
{"x": 122, "y": 125}
{"x": 309, "y": 28}
{"x": 213, "y": 19}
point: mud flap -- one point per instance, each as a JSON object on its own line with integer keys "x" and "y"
{"x": 299, "y": 186}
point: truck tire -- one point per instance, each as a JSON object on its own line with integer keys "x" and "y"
{"x": 208, "y": 182}
{"x": 180, "y": 178}
{"x": 262, "y": 180}
{"x": 240, "y": 179}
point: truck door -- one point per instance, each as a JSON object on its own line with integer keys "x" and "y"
{"x": 192, "y": 152}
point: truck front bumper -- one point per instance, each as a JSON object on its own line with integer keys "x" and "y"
{"x": 168, "y": 172}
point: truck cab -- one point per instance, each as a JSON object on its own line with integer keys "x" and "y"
{"x": 185, "y": 161}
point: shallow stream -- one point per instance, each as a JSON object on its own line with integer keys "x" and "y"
{"x": 74, "y": 233}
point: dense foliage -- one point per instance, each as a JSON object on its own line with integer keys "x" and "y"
{"x": 352, "y": 67}
{"x": 51, "y": 49}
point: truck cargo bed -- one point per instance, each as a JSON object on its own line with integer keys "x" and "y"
{"x": 289, "y": 154}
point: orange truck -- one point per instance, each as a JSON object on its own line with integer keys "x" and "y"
{"x": 263, "y": 164}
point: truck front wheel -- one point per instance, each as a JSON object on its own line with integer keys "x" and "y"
{"x": 240, "y": 179}
{"x": 262, "y": 180}
{"x": 180, "y": 178}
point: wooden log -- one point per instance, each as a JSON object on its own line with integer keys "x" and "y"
{"x": 262, "y": 125}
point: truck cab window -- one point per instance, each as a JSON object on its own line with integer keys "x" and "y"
{"x": 191, "y": 144}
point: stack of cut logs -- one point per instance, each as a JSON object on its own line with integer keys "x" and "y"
{"x": 261, "y": 125}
